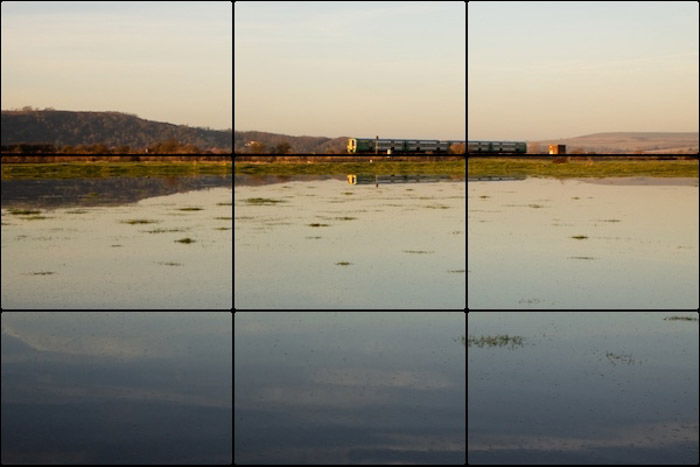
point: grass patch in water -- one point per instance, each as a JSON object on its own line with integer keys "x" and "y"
{"x": 155, "y": 231}
{"x": 41, "y": 273}
{"x": 191, "y": 209}
{"x": 579, "y": 237}
{"x": 185, "y": 240}
{"x": 502, "y": 340}
{"x": 139, "y": 221}
{"x": 343, "y": 263}
{"x": 316, "y": 224}
{"x": 418, "y": 252}
{"x": 168, "y": 263}
{"x": 264, "y": 201}
{"x": 680, "y": 318}
{"x": 345, "y": 218}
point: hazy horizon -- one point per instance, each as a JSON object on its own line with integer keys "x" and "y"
{"x": 550, "y": 70}
{"x": 355, "y": 69}
{"x": 167, "y": 62}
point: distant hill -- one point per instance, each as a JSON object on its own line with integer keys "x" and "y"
{"x": 113, "y": 129}
{"x": 298, "y": 144}
{"x": 626, "y": 143}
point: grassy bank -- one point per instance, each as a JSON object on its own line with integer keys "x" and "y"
{"x": 112, "y": 169}
{"x": 344, "y": 168}
{"x": 581, "y": 168}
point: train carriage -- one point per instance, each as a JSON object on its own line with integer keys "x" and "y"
{"x": 397, "y": 146}
{"x": 496, "y": 147}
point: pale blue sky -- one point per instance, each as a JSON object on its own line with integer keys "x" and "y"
{"x": 539, "y": 70}
{"x": 165, "y": 61}
{"x": 393, "y": 69}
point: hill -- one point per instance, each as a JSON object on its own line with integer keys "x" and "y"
{"x": 298, "y": 144}
{"x": 625, "y": 143}
{"x": 111, "y": 129}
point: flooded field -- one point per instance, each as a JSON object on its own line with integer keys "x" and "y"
{"x": 582, "y": 388}
{"x": 371, "y": 388}
{"x": 117, "y": 242}
{"x": 583, "y": 243}
{"x": 320, "y": 242}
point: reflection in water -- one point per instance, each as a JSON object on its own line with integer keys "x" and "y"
{"x": 321, "y": 243}
{"x": 546, "y": 243}
{"x": 593, "y": 388}
{"x": 348, "y": 388}
{"x": 116, "y": 388}
{"x": 111, "y": 243}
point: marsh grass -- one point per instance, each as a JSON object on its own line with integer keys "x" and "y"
{"x": 344, "y": 168}
{"x": 343, "y": 263}
{"x": 112, "y": 169}
{"x": 191, "y": 209}
{"x": 482, "y": 167}
{"x": 185, "y": 240}
{"x": 502, "y": 340}
{"x": 264, "y": 201}
{"x": 139, "y": 221}
{"x": 680, "y": 318}
{"x": 579, "y": 237}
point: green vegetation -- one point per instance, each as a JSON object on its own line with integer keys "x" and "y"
{"x": 343, "y": 263}
{"x": 579, "y": 237}
{"x": 496, "y": 341}
{"x": 190, "y": 209}
{"x": 169, "y": 263}
{"x": 344, "y": 168}
{"x": 40, "y": 171}
{"x": 482, "y": 167}
{"x": 185, "y": 240}
{"x": 680, "y": 318}
{"x": 318, "y": 225}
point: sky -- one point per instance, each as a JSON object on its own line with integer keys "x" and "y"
{"x": 539, "y": 70}
{"x": 361, "y": 69}
{"x": 164, "y": 61}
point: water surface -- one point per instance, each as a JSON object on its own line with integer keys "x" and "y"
{"x": 349, "y": 388}
{"x": 113, "y": 243}
{"x": 589, "y": 243}
{"x": 323, "y": 243}
{"x": 583, "y": 388}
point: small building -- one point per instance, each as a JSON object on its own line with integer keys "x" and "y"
{"x": 557, "y": 148}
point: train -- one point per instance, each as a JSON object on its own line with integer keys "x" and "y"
{"x": 496, "y": 147}
{"x": 392, "y": 146}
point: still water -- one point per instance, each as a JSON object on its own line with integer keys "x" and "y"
{"x": 588, "y": 243}
{"x": 320, "y": 242}
{"x": 143, "y": 242}
{"x": 582, "y": 388}
{"x": 118, "y": 388}
{"x": 349, "y": 388}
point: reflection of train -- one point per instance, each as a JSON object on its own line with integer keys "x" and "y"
{"x": 496, "y": 147}
{"x": 391, "y": 146}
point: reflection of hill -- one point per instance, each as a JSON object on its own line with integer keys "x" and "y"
{"x": 48, "y": 194}
{"x": 12, "y": 345}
